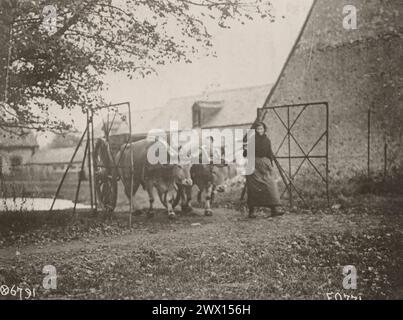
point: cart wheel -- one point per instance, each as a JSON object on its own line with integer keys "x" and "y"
{"x": 106, "y": 176}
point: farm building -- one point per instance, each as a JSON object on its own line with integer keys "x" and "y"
{"x": 15, "y": 151}
{"x": 234, "y": 108}
{"x": 52, "y": 163}
{"x": 360, "y": 74}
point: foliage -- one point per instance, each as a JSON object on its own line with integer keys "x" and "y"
{"x": 64, "y": 141}
{"x": 377, "y": 183}
{"x": 66, "y": 69}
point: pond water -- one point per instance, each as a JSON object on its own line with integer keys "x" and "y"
{"x": 37, "y": 204}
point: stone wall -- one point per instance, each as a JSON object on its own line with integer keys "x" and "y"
{"x": 352, "y": 76}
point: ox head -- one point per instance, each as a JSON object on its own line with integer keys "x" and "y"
{"x": 219, "y": 175}
{"x": 222, "y": 175}
{"x": 181, "y": 170}
{"x": 181, "y": 174}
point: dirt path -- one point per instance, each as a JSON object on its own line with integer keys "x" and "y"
{"x": 224, "y": 256}
{"x": 227, "y": 227}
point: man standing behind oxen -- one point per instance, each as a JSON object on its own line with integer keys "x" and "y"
{"x": 261, "y": 184}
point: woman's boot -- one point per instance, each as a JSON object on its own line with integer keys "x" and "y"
{"x": 275, "y": 212}
{"x": 252, "y": 214}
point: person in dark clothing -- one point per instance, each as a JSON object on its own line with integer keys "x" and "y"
{"x": 261, "y": 185}
{"x": 263, "y": 143}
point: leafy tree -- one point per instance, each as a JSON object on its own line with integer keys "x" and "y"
{"x": 64, "y": 141}
{"x": 65, "y": 69}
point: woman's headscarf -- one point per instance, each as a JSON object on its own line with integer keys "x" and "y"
{"x": 253, "y": 127}
{"x": 257, "y": 124}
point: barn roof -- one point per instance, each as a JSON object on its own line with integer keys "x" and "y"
{"x": 12, "y": 138}
{"x": 239, "y": 105}
{"x": 176, "y": 109}
{"x": 236, "y": 107}
{"x": 233, "y": 107}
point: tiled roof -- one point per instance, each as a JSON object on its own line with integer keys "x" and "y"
{"x": 237, "y": 106}
{"x": 234, "y": 107}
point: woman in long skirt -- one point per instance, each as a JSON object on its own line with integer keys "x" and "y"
{"x": 261, "y": 185}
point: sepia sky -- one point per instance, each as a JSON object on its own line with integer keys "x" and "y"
{"x": 247, "y": 55}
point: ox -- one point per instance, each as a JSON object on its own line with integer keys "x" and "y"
{"x": 209, "y": 178}
{"x": 165, "y": 178}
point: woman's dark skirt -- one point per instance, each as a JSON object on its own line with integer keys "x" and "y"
{"x": 261, "y": 185}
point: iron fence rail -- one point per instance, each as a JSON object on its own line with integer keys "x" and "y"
{"x": 289, "y": 136}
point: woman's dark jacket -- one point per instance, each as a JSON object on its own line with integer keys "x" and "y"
{"x": 262, "y": 147}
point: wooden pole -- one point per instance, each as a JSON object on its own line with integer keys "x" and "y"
{"x": 385, "y": 160}
{"x": 369, "y": 144}
{"x": 67, "y": 169}
{"x": 7, "y": 80}
{"x": 89, "y": 161}
{"x": 327, "y": 155}
{"x": 131, "y": 168}
{"x": 80, "y": 178}
{"x": 93, "y": 148}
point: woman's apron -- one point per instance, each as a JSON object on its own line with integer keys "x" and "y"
{"x": 261, "y": 185}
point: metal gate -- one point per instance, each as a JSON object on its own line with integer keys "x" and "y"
{"x": 297, "y": 131}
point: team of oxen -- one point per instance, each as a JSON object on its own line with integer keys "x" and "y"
{"x": 173, "y": 181}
